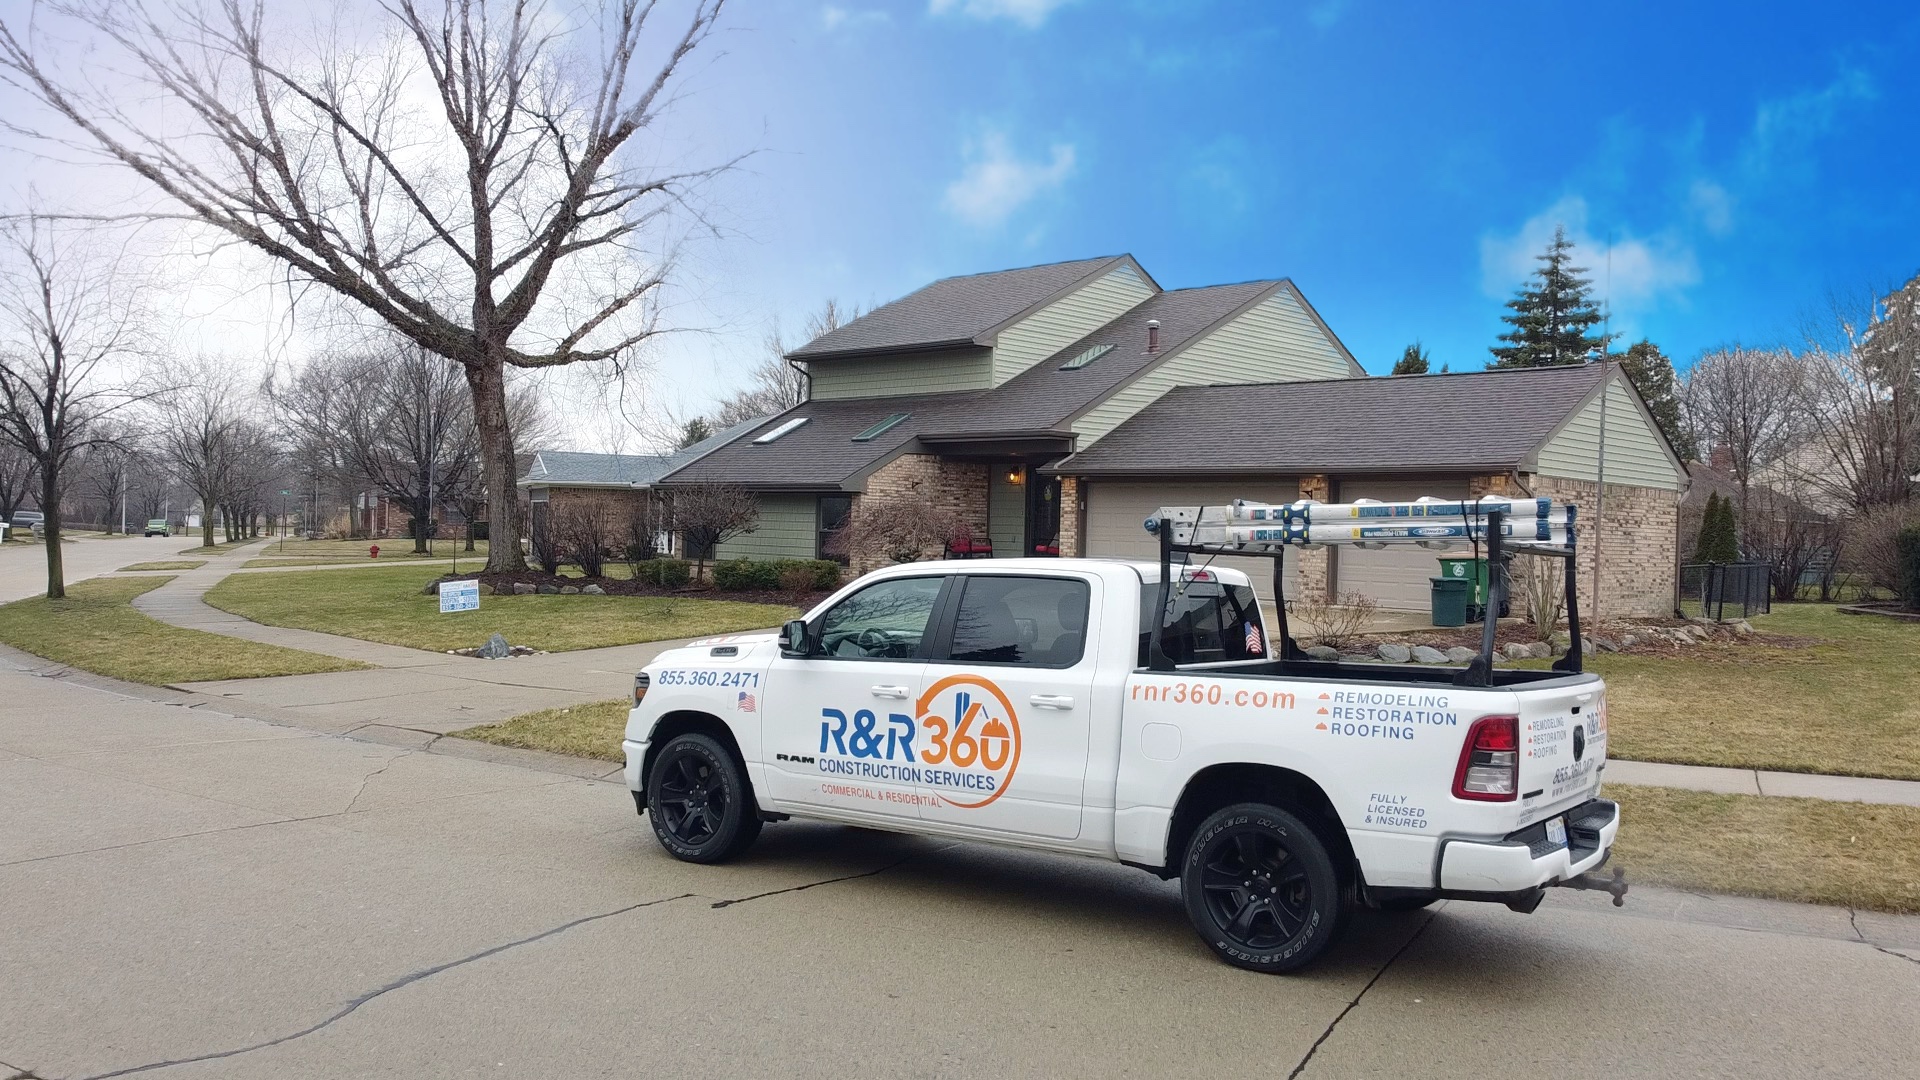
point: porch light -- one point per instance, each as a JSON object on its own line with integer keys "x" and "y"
{"x": 1016, "y": 475}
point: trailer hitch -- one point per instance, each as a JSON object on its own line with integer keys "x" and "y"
{"x": 1617, "y": 885}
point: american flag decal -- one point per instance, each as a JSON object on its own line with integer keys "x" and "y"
{"x": 746, "y": 702}
{"x": 1253, "y": 640}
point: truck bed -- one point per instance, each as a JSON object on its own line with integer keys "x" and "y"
{"x": 1391, "y": 674}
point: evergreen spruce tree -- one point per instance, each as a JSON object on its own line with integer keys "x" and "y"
{"x": 1411, "y": 362}
{"x": 1652, "y": 374}
{"x": 1551, "y": 317}
{"x": 1719, "y": 541}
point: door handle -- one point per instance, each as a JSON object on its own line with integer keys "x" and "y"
{"x": 1051, "y": 701}
{"x": 889, "y": 691}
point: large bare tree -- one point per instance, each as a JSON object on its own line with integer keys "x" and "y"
{"x": 202, "y": 417}
{"x": 778, "y": 384}
{"x": 1863, "y": 415}
{"x": 1746, "y": 404}
{"x": 69, "y": 325}
{"x": 463, "y": 171}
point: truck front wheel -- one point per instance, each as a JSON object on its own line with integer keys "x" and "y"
{"x": 698, "y": 801}
{"x": 1260, "y": 888}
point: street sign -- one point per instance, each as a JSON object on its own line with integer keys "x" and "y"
{"x": 459, "y": 596}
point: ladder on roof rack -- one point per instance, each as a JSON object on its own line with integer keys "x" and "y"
{"x": 1506, "y": 526}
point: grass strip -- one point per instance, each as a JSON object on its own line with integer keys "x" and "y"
{"x": 1863, "y": 855}
{"x": 95, "y": 628}
{"x": 165, "y": 564}
{"x": 592, "y": 730}
{"x": 386, "y": 605}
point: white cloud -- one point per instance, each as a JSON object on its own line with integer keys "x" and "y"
{"x": 1028, "y": 13}
{"x": 1325, "y": 13}
{"x": 1642, "y": 271}
{"x": 1783, "y": 127}
{"x": 996, "y": 181}
{"x": 1712, "y": 206}
{"x": 834, "y": 17}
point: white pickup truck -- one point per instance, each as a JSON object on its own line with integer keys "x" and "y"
{"x": 1026, "y": 702}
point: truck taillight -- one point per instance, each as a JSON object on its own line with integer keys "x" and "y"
{"x": 1490, "y": 761}
{"x": 640, "y": 684}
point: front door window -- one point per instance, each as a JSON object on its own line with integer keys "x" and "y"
{"x": 1043, "y": 515}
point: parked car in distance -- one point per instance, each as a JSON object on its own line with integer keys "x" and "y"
{"x": 27, "y": 519}
{"x": 158, "y": 527}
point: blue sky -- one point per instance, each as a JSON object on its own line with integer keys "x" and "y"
{"x": 1401, "y": 162}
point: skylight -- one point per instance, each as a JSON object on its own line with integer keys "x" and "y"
{"x": 881, "y": 428}
{"x": 1086, "y": 358}
{"x": 779, "y": 431}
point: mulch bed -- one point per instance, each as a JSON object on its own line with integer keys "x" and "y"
{"x": 1725, "y": 644}
{"x": 503, "y": 584}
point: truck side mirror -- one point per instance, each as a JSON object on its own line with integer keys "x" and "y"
{"x": 795, "y": 639}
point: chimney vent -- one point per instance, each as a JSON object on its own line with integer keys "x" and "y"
{"x": 1153, "y": 335}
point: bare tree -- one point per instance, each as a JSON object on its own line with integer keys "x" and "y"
{"x": 708, "y": 515}
{"x": 68, "y": 315}
{"x": 19, "y": 475}
{"x": 1747, "y": 404}
{"x": 102, "y": 472}
{"x": 504, "y": 226}
{"x": 900, "y": 529}
{"x": 412, "y": 434}
{"x": 200, "y": 423}
{"x": 779, "y": 384}
{"x": 1863, "y": 423}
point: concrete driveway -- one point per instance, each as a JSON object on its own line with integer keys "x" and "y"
{"x": 193, "y": 894}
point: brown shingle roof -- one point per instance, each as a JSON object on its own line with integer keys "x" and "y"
{"x": 1482, "y": 419}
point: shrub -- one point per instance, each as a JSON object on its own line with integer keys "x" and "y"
{"x": 821, "y": 574}
{"x": 792, "y": 575}
{"x": 1872, "y": 547}
{"x": 1908, "y": 546}
{"x": 797, "y": 578}
{"x": 905, "y": 529}
{"x": 668, "y": 573}
{"x": 1338, "y": 624}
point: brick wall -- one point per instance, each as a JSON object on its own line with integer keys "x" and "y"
{"x": 1316, "y": 563}
{"x": 1636, "y": 543}
{"x": 1070, "y": 509}
{"x": 618, "y": 506}
{"x": 956, "y": 486}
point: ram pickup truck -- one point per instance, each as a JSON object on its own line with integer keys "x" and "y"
{"x": 1017, "y": 702}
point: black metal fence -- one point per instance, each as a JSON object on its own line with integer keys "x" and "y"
{"x": 1725, "y": 590}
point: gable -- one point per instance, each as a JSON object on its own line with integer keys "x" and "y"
{"x": 931, "y": 372}
{"x": 1636, "y": 452}
{"x": 1276, "y": 340}
{"x": 1068, "y": 319}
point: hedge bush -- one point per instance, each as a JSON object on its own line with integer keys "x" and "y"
{"x": 742, "y": 575}
{"x": 671, "y": 573}
{"x": 1908, "y": 546}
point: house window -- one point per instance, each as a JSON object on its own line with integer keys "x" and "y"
{"x": 833, "y": 513}
{"x": 770, "y": 436}
{"x": 881, "y": 428}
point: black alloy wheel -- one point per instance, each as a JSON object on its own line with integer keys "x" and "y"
{"x": 1261, "y": 889}
{"x": 698, "y": 801}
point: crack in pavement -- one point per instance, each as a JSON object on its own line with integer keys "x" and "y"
{"x": 831, "y": 881}
{"x": 1335, "y": 1022}
{"x": 352, "y": 1006}
{"x": 368, "y": 779}
{"x": 1853, "y": 920}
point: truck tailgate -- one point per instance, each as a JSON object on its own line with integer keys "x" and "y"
{"x": 1563, "y": 742}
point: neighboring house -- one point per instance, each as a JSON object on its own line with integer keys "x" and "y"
{"x": 1053, "y": 407}
{"x": 557, "y": 481}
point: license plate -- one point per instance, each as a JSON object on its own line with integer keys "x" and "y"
{"x": 1557, "y": 830}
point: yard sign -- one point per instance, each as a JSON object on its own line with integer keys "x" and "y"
{"x": 459, "y": 596}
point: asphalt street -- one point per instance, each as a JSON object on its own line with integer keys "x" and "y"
{"x": 23, "y": 567}
{"x": 194, "y": 894}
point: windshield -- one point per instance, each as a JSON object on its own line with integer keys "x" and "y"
{"x": 1206, "y": 622}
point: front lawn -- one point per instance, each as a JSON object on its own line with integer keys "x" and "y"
{"x": 95, "y": 628}
{"x": 355, "y": 550}
{"x": 1848, "y": 705}
{"x": 165, "y": 564}
{"x": 1861, "y": 855}
{"x": 222, "y": 548}
{"x": 592, "y": 730}
{"x": 386, "y": 605}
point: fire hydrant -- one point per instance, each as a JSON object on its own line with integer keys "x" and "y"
{"x": 373, "y": 551}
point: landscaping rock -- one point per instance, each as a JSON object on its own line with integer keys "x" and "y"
{"x": 432, "y": 589}
{"x": 486, "y": 589}
{"x": 1539, "y": 650}
{"x": 1517, "y": 650}
{"x": 1395, "y": 654}
{"x": 496, "y": 648}
{"x": 521, "y": 588}
{"x": 1427, "y": 654}
{"x": 569, "y": 590}
{"x": 1323, "y": 652}
{"x": 1460, "y": 654}
{"x": 593, "y": 590}
{"x": 1740, "y": 627}
{"x": 1604, "y": 644}
{"x": 1628, "y": 641}
{"x": 546, "y": 589}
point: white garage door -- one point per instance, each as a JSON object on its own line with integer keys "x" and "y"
{"x": 1117, "y": 510}
{"x": 1397, "y": 577}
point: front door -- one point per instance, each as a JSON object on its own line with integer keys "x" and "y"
{"x": 1006, "y": 712}
{"x": 837, "y": 728}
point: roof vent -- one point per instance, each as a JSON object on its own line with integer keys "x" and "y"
{"x": 1153, "y": 335}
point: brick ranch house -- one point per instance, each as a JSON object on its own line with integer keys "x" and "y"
{"x": 1053, "y": 407}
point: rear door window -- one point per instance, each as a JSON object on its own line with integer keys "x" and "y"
{"x": 1036, "y": 621}
{"x": 1205, "y": 622}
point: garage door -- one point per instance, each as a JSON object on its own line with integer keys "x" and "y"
{"x": 1116, "y": 511}
{"x": 1397, "y": 577}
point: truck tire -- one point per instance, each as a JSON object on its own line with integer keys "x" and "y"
{"x": 1260, "y": 888}
{"x": 698, "y": 801}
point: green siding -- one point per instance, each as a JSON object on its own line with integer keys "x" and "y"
{"x": 1066, "y": 321}
{"x": 1634, "y": 453}
{"x": 1006, "y": 516}
{"x": 786, "y": 530}
{"x": 1274, "y": 341}
{"x": 904, "y": 373}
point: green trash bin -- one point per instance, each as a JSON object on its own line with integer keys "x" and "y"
{"x": 1467, "y": 568}
{"x": 1450, "y": 600}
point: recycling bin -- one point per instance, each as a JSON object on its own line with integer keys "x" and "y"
{"x": 1450, "y": 600}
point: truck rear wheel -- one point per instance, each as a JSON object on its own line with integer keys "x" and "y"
{"x": 1260, "y": 888}
{"x": 698, "y": 801}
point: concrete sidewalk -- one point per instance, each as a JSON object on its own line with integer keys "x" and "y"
{"x": 1764, "y": 782}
